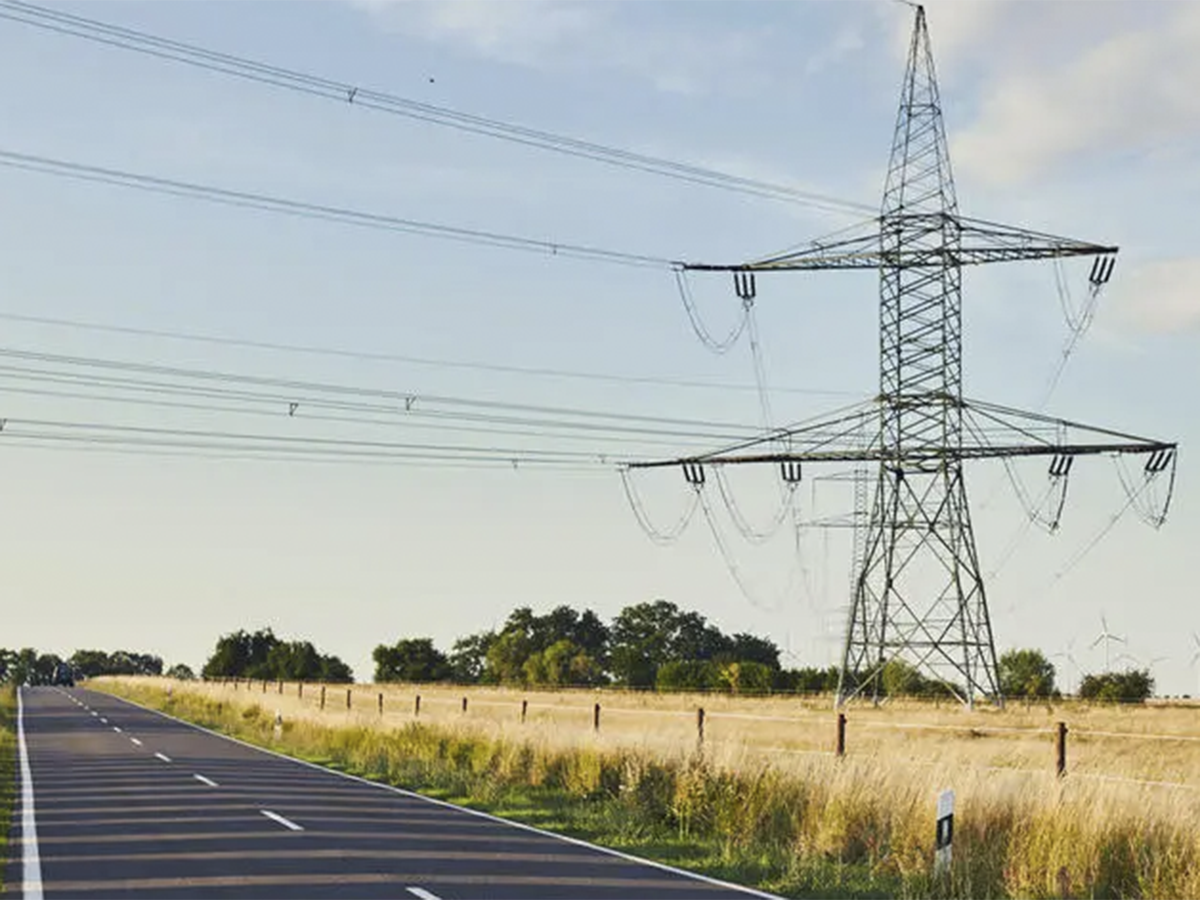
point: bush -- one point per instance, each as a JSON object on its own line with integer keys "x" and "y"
{"x": 1131, "y": 686}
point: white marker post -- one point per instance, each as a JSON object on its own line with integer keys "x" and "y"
{"x": 945, "y": 832}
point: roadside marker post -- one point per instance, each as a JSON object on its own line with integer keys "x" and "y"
{"x": 945, "y": 832}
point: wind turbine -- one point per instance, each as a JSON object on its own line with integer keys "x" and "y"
{"x": 1069, "y": 656}
{"x": 1196, "y": 655}
{"x": 1109, "y": 639}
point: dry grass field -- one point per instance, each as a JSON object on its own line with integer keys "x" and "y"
{"x": 1154, "y": 743}
{"x": 1124, "y": 822}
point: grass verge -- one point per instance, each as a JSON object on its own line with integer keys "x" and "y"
{"x": 845, "y": 829}
{"x": 8, "y": 768}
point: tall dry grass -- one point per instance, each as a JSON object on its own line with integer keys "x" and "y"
{"x": 782, "y": 817}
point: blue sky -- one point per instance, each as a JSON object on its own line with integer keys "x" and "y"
{"x": 1080, "y": 124}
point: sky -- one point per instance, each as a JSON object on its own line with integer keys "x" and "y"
{"x": 1082, "y": 123}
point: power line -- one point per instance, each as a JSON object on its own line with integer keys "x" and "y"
{"x": 407, "y": 402}
{"x": 305, "y": 210}
{"x": 344, "y": 92}
{"x": 370, "y": 356}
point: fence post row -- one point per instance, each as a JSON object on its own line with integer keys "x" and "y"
{"x": 1060, "y": 750}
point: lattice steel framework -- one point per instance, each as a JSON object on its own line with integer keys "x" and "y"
{"x": 918, "y": 590}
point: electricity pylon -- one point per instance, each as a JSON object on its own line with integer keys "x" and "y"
{"x": 918, "y": 591}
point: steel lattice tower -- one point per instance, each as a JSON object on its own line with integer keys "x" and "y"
{"x": 918, "y": 591}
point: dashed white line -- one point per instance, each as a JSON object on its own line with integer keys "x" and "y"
{"x": 203, "y": 780}
{"x": 422, "y": 893}
{"x": 94, "y": 713}
{"x": 103, "y": 720}
{"x": 163, "y": 757}
{"x": 116, "y": 729}
{"x": 286, "y": 823}
{"x": 31, "y": 861}
{"x": 135, "y": 741}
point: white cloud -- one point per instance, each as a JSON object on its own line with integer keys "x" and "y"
{"x": 1160, "y": 296}
{"x": 1133, "y": 91}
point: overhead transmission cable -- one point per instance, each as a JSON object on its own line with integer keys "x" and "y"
{"x": 303, "y": 209}
{"x": 370, "y": 356}
{"x": 344, "y": 92}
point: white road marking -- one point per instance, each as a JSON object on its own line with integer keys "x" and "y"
{"x": 94, "y": 713}
{"x": 31, "y": 861}
{"x": 135, "y": 741}
{"x": 163, "y": 757}
{"x": 116, "y": 729}
{"x": 286, "y": 823}
{"x": 103, "y": 720}
{"x": 203, "y": 780}
{"x": 422, "y": 893}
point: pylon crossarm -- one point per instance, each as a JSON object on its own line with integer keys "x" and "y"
{"x": 968, "y": 242}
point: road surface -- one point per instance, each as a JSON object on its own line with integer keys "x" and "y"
{"x": 130, "y": 803}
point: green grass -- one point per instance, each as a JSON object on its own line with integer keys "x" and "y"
{"x": 8, "y": 767}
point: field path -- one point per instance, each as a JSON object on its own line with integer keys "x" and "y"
{"x": 123, "y": 801}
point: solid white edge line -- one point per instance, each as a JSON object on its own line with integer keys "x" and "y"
{"x": 31, "y": 861}
{"x": 286, "y": 823}
{"x": 663, "y": 867}
{"x": 163, "y": 757}
{"x": 203, "y": 780}
{"x": 422, "y": 893}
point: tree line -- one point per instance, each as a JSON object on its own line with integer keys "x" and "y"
{"x": 654, "y": 645}
{"x": 28, "y": 666}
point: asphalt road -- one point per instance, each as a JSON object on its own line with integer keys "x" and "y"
{"x": 131, "y": 803}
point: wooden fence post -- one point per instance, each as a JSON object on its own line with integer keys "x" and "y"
{"x": 300, "y": 689}
{"x": 347, "y": 698}
{"x": 281, "y": 687}
{"x": 596, "y": 718}
{"x": 524, "y": 710}
{"x": 1060, "y": 750}
{"x": 264, "y": 686}
{"x": 417, "y": 707}
{"x": 381, "y": 704}
{"x": 841, "y": 734}
{"x": 464, "y": 706}
{"x": 700, "y": 727}
{"x": 322, "y": 696}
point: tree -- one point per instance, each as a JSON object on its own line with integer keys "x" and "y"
{"x": 241, "y": 655}
{"x": 807, "y": 680}
{"x": 643, "y": 638}
{"x": 1131, "y": 686}
{"x": 468, "y": 657}
{"x": 181, "y": 672}
{"x": 748, "y": 648}
{"x": 1026, "y": 673}
{"x": 901, "y": 679}
{"x": 746, "y": 677}
{"x": 412, "y": 659}
{"x": 263, "y": 655}
{"x": 687, "y": 675}
{"x": 563, "y": 663}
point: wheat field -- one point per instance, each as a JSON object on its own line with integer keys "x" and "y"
{"x": 1159, "y": 744}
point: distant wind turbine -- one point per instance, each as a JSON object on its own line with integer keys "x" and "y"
{"x": 1196, "y": 655}
{"x": 1109, "y": 639}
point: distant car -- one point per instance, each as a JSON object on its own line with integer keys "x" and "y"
{"x": 64, "y": 676}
